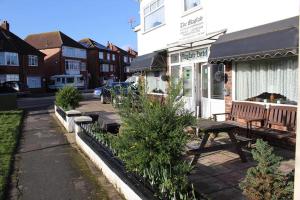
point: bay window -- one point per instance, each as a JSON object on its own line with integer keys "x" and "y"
{"x": 32, "y": 60}
{"x": 154, "y": 14}
{"x": 189, "y": 4}
{"x": 9, "y": 59}
{"x": 274, "y": 81}
{"x": 72, "y": 66}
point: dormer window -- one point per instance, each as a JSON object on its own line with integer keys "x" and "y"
{"x": 32, "y": 60}
{"x": 189, "y": 4}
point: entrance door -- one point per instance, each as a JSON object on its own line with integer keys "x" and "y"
{"x": 212, "y": 95}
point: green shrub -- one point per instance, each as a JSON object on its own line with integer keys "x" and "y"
{"x": 152, "y": 139}
{"x": 68, "y": 98}
{"x": 265, "y": 181}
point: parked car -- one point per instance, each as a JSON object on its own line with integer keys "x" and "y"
{"x": 14, "y": 87}
{"x": 117, "y": 88}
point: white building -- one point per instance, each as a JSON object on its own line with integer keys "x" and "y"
{"x": 185, "y": 30}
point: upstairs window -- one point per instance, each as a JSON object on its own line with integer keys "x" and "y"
{"x": 9, "y": 58}
{"x": 101, "y": 56}
{"x": 189, "y": 4}
{"x": 154, "y": 14}
{"x": 125, "y": 59}
{"x": 32, "y": 60}
{"x": 108, "y": 56}
{"x": 113, "y": 57}
{"x": 104, "y": 68}
{"x": 82, "y": 66}
{"x": 73, "y": 52}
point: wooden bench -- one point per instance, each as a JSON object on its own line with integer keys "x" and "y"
{"x": 279, "y": 125}
{"x": 245, "y": 112}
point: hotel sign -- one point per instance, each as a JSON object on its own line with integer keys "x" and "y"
{"x": 194, "y": 54}
{"x": 192, "y": 27}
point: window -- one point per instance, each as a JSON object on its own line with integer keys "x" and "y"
{"x": 9, "y": 58}
{"x": 73, "y": 52}
{"x": 34, "y": 82}
{"x": 72, "y": 66}
{"x": 205, "y": 81}
{"x": 268, "y": 81}
{"x": 108, "y": 56}
{"x": 189, "y": 4}
{"x": 82, "y": 66}
{"x": 101, "y": 56}
{"x": 217, "y": 81}
{"x": 125, "y": 59}
{"x": 154, "y": 14}
{"x": 154, "y": 82}
{"x": 175, "y": 70}
{"x": 104, "y": 68}
{"x": 126, "y": 70}
{"x": 187, "y": 81}
{"x": 113, "y": 57}
{"x": 175, "y": 58}
{"x": 12, "y": 77}
{"x": 111, "y": 68}
{"x": 32, "y": 60}
{"x": 70, "y": 80}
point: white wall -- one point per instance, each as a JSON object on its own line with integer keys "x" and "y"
{"x": 232, "y": 15}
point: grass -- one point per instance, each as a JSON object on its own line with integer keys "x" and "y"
{"x": 10, "y": 122}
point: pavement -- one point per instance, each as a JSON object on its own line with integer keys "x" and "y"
{"x": 48, "y": 165}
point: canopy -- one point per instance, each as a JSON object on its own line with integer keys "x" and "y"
{"x": 151, "y": 61}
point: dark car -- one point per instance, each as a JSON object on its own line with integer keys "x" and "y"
{"x": 117, "y": 88}
{"x": 14, "y": 87}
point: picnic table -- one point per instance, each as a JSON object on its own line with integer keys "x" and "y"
{"x": 208, "y": 127}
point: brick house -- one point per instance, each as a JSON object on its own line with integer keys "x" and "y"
{"x": 19, "y": 61}
{"x": 124, "y": 58}
{"x": 65, "y": 61}
{"x": 107, "y": 62}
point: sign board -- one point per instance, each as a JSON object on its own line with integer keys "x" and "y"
{"x": 192, "y": 27}
{"x": 194, "y": 54}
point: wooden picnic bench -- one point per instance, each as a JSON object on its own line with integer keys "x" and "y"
{"x": 279, "y": 124}
{"x": 208, "y": 127}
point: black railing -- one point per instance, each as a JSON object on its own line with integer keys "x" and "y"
{"x": 61, "y": 112}
{"x": 108, "y": 155}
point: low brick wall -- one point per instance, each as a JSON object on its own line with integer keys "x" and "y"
{"x": 8, "y": 101}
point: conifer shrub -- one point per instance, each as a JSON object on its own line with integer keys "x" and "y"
{"x": 68, "y": 98}
{"x": 151, "y": 141}
{"x": 265, "y": 181}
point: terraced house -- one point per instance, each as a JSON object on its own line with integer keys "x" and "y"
{"x": 19, "y": 61}
{"x": 65, "y": 61}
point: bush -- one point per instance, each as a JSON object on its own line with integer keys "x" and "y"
{"x": 265, "y": 181}
{"x": 152, "y": 139}
{"x": 68, "y": 98}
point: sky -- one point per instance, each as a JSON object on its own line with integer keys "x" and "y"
{"x": 100, "y": 20}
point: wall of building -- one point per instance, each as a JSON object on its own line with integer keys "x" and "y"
{"x": 52, "y": 61}
{"x": 232, "y": 15}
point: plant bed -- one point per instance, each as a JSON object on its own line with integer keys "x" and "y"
{"x": 10, "y": 128}
{"x": 135, "y": 182}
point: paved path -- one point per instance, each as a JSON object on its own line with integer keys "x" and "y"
{"x": 48, "y": 167}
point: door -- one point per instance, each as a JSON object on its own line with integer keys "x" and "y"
{"x": 188, "y": 94}
{"x": 212, "y": 90}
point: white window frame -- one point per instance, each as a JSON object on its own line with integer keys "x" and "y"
{"x": 113, "y": 57}
{"x": 158, "y": 6}
{"x": 73, "y": 66}
{"x": 73, "y": 52}
{"x": 108, "y": 56}
{"x": 125, "y": 59}
{"x": 33, "y": 60}
{"x": 101, "y": 55}
{"x": 7, "y": 56}
{"x": 190, "y": 10}
{"x": 12, "y": 77}
{"x": 105, "y": 67}
{"x": 34, "y": 87}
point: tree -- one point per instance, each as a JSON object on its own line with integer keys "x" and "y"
{"x": 265, "y": 181}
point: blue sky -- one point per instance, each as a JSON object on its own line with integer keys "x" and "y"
{"x": 101, "y": 20}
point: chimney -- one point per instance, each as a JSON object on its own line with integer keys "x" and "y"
{"x": 5, "y": 25}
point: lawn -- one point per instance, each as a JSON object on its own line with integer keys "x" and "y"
{"x": 10, "y": 122}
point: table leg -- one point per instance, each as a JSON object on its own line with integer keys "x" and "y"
{"x": 202, "y": 145}
{"x": 237, "y": 146}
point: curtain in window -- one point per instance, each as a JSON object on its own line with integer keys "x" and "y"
{"x": 154, "y": 83}
{"x": 278, "y": 76}
{"x": 188, "y": 4}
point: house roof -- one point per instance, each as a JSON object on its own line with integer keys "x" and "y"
{"x": 50, "y": 40}
{"x": 89, "y": 43}
{"x": 266, "y": 41}
{"x": 12, "y": 43}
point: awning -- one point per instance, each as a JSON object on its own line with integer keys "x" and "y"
{"x": 151, "y": 61}
{"x": 267, "y": 41}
